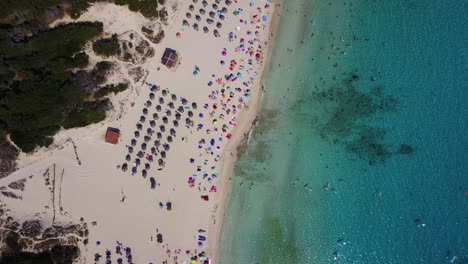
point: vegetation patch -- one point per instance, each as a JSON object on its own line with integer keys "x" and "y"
{"x": 107, "y": 47}
{"x": 39, "y": 93}
{"x": 111, "y": 88}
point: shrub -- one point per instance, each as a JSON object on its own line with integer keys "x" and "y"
{"x": 107, "y": 47}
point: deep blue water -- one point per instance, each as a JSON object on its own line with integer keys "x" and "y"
{"x": 361, "y": 152}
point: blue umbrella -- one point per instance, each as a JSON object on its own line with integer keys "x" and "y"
{"x": 195, "y": 73}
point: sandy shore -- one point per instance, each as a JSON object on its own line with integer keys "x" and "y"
{"x": 120, "y": 207}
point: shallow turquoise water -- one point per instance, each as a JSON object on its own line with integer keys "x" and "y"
{"x": 361, "y": 152}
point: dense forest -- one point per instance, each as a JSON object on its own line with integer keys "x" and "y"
{"x": 43, "y": 86}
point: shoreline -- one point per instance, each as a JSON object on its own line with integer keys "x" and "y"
{"x": 247, "y": 117}
{"x": 129, "y": 198}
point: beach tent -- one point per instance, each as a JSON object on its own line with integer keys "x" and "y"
{"x": 112, "y": 135}
{"x": 169, "y": 58}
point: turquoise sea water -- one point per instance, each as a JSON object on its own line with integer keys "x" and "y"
{"x": 361, "y": 152}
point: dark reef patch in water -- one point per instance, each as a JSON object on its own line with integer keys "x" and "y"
{"x": 345, "y": 115}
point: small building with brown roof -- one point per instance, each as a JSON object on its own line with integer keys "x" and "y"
{"x": 169, "y": 58}
{"x": 112, "y": 135}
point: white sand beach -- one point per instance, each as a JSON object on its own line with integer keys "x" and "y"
{"x": 121, "y": 208}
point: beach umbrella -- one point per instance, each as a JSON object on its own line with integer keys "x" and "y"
{"x": 184, "y": 102}
{"x": 133, "y": 142}
{"x": 173, "y": 97}
{"x": 161, "y": 100}
{"x": 209, "y": 21}
{"x": 169, "y": 139}
{"x": 195, "y": 26}
{"x": 130, "y": 149}
{"x": 168, "y": 113}
{"x": 140, "y": 155}
{"x": 198, "y": 18}
{"x": 155, "y": 116}
{"x": 171, "y": 105}
{"x": 159, "y": 238}
{"x": 177, "y": 115}
{"x": 159, "y": 135}
{"x": 202, "y": 11}
{"x": 212, "y": 142}
{"x": 211, "y": 14}
{"x": 215, "y": 6}
{"x": 185, "y": 23}
{"x": 145, "y": 111}
{"x": 139, "y": 126}
{"x": 137, "y": 134}
{"x": 124, "y": 167}
{"x": 158, "y": 108}
{"x": 147, "y": 166}
{"x": 157, "y": 143}
{"x": 204, "y": 3}
{"x": 142, "y": 119}
{"x": 200, "y": 115}
{"x": 219, "y": 25}
{"x": 144, "y": 173}
{"x": 224, "y": 53}
{"x": 162, "y": 128}
{"x": 148, "y": 103}
{"x": 188, "y": 121}
{"x": 205, "y": 29}
{"x": 152, "y": 123}
{"x": 165, "y": 120}
{"x": 224, "y": 10}
{"x": 221, "y": 17}
{"x": 153, "y": 150}
{"x": 190, "y": 114}
{"x": 166, "y": 147}
{"x": 176, "y": 124}
{"x": 216, "y": 33}
{"x": 188, "y": 15}
{"x": 191, "y": 7}
{"x": 172, "y": 132}
{"x": 147, "y": 138}
{"x": 195, "y": 1}
{"x": 195, "y": 73}
{"x": 143, "y": 146}
{"x": 228, "y": 2}
{"x": 222, "y": 63}
{"x": 194, "y": 106}
{"x": 239, "y": 75}
{"x": 161, "y": 163}
{"x": 151, "y": 96}
{"x": 215, "y": 121}
{"x": 128, "y": 157}
{"x": 217, "y": 1}
{"x": 178, "y": 35}
{"x": 164, "y": 92}
{"x": 163, "y": 154}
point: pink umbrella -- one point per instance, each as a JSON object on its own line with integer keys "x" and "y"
{"x": 224, "y": 53}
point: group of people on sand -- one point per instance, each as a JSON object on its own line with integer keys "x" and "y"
{"x": 210, "y": 124}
